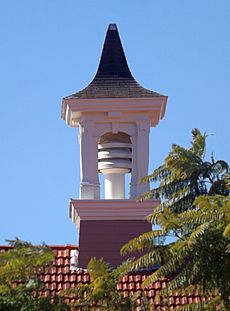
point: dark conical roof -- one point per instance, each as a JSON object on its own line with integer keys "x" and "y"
{"x": 113, "y": 62}
{"x": 113, "y": 78}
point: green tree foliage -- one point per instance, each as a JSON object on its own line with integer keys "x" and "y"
{"x": 186, "y": 175}
{"x": 102, "y": 291}
{"x": 20, "y": 285}
{"x": 196, "y": 212}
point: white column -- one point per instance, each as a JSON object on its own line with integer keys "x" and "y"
{"x": 140, "y": 158}
{"x": 89, "y": 186}
{"x": 114, "y": 186}
{"x": 133, "y": 181}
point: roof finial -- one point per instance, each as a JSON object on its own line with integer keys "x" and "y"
{"x": 112, "y": 27}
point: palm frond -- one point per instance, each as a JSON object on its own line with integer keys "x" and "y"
{"x": 173, "y": 264}
{"x": 157, "y": 175}
{"x": 197, "y": 233}
{"x": 151, "y": 259}
{"x": 227, "y": 181}
{"x": 145, "y": 240}
{"x": 198, "y": 142}
{"x": 220, "y": 167}
{"x": 227, "y": 231}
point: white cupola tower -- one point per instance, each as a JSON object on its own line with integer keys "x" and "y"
{"x": 114, "y": 115}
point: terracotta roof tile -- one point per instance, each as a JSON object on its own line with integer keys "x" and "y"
{"x": 59, "y": 287}
{"x": 53, "y": 270}
{"x": 46, "y": 278}
{"x": 131, "y": 286}
{"x": 157, "y": 285}
{"x": 53, "y": 285}
{"x": 138, "y": 285}
{"x": 119, "y": 286}
{"x": 73, "y": 278}
{"x": 138, "y": 278}
{"x": 61, "y": 276}
{"x": 163, "y": 284}
{"x": 184, "y": 300}
{"x": 54, "y": 277}
{"x": 125, "y": 279}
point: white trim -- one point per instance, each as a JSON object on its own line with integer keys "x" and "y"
{"x": 72, "y": 108}
{"x": 83, "y": 210}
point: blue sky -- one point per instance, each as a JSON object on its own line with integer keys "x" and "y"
{"x": 51, "y": 48}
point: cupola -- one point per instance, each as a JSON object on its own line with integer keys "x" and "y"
{"x": 114, "y": 114}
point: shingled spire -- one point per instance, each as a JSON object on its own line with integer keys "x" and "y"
{"x": 113, "y": 62}
{"x": 113, "y": 78}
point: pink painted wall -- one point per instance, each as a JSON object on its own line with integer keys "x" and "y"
{"x": 104, "y": 238}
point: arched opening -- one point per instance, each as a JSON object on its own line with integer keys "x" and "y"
{"x": 118, "y": 137}
{"x": 114, "y": 162}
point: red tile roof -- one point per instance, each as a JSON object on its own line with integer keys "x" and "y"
{"x": 63, "y": 276}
